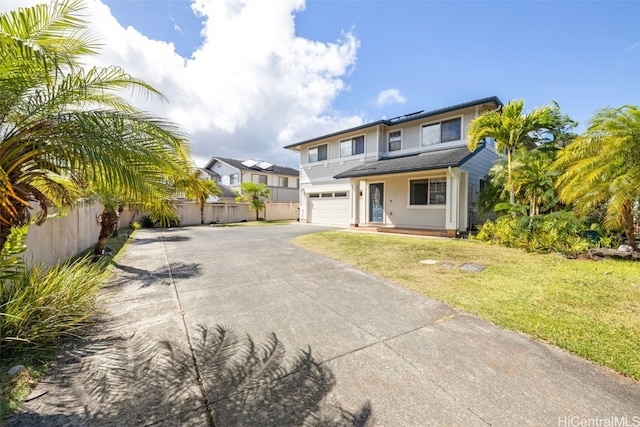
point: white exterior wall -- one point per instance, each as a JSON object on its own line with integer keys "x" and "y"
{"x": 397, "y": 211}
{"x": 225, "y": 171}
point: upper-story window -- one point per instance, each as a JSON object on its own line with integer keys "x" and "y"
{"x": 283, "y": 181}
{"x": 445, "y": 131}
{"x": 258, "y": 179}
{"x": 351, "y": 147}
{"x": 395, "y": 140}
{"x": 318, "y": 154}
{"x": 234, "y": 179}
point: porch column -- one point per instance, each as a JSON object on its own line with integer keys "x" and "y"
{"x": 354, "y": 215}
{"x": 453, "y": 202}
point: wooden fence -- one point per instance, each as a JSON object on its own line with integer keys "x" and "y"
{"x": 62, "y": 237}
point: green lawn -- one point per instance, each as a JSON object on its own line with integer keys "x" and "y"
{"x": 589, "y": 308}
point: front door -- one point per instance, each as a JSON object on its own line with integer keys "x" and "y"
{"x": 376, "y": 202}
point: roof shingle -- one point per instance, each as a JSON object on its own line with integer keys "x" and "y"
{"x": 430, "y": 160}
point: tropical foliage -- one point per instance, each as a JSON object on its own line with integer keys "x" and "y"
{"x": 40, "y": 305}
{"x": 512, "y": 129}
{"x": 64, "y": 127}
{"x": 255, "y": 195}
{"x": 197, "y": 188}
{"x": 601, "y": 168}
{"x": 560, "y": 232}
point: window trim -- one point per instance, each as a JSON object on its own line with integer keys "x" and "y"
{"x": 389, "y": 150}
{"x": 317, "y": 147}
{"x": 354, "y": 146}
{"x": 429, "y": 179}
{"x": 266, "y": 178}
{"x": 286, "y": 184}
{"x": 237, "y": 180}
{"x": 439, "y": 122}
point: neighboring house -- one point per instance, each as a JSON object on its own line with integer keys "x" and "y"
{"x": 413, "y": 171}
{"x": 283, "y": 181}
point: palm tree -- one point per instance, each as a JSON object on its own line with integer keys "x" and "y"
{"x": 254, "y": 194}
{"x": 601, "y": 167}
{"x": 197, "y": 188}
{"x": 533, "y": 179}
{"x": 511, "y": 129}
{"x": 60, "y": 121}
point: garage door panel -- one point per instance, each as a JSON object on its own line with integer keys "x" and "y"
{"x": 329, "y": 211}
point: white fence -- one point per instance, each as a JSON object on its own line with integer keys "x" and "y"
{"x": 62, "y": 237}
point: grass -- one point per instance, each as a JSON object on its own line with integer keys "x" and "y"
{"x": 254, "y": 223}
{"x": 49, "y": 307}
{"x": 589, "y": 308}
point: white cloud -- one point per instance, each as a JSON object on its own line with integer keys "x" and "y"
{"x": 390, "y": 96}
{"x": 252, "y": 87}
{"x": 634, "y": 46}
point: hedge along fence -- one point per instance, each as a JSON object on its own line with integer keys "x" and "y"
{"x": 62, "y": 237}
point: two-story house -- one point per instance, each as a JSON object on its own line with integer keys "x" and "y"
{"x": 283, "y": 181}
{"x": 413, "y": 171}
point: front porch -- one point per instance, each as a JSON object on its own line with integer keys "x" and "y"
{"x": 391, "y": 229}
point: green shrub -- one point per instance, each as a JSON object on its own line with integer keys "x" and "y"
{"x": 555, "y": 232}
{"x": 135, "y": 226}
{"x": 146, "y": 222}
{"x": 40, "y": 305}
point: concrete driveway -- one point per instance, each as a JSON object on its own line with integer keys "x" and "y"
{"x": 282, "y": 336}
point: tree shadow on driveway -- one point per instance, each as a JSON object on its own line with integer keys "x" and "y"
{"x": 132, "y": 380}
{"x": 161, "y": 276}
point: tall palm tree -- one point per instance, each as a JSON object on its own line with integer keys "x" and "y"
{"x": 601, "y": 167}
{"x": 511, "y": 129}
{"x": 60, "y": 121}
{"x": 255, "y": 195}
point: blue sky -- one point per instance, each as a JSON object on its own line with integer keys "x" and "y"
{"x": 246, "y": 77}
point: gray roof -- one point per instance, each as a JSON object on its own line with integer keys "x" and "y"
{"x": 280, "y": 170}
{"x": 226, "y": 191}
{"x": 406, "y": 118}
{"x": 430, "y": 160}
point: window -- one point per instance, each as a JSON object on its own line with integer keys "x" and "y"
{"x": 395, "y": 140}
{"x": 233, "y": 179}
{"x": 318, "y": 154}
{"x": 436, "y": 133}
{"x": 341, "y": 194}
{"x": 351, "y": 147}
{"x": 314, "y": 196}
{"x": 482, "y": 184}
{"x": 427, "y": 192}
{"x": 283, "y": 181}
{"x": 258, "y": 179}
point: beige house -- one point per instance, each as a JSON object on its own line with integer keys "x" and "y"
{"x": 413, "y": 171}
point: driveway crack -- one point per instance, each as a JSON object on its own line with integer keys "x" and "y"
{"x": 181, "y": 312}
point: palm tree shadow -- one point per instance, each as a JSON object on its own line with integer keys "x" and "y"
{"x": 223, "y": 379}
{"x": 146, "y": 278}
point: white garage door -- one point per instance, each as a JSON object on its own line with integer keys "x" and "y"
{"x": 329, "y": 208}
